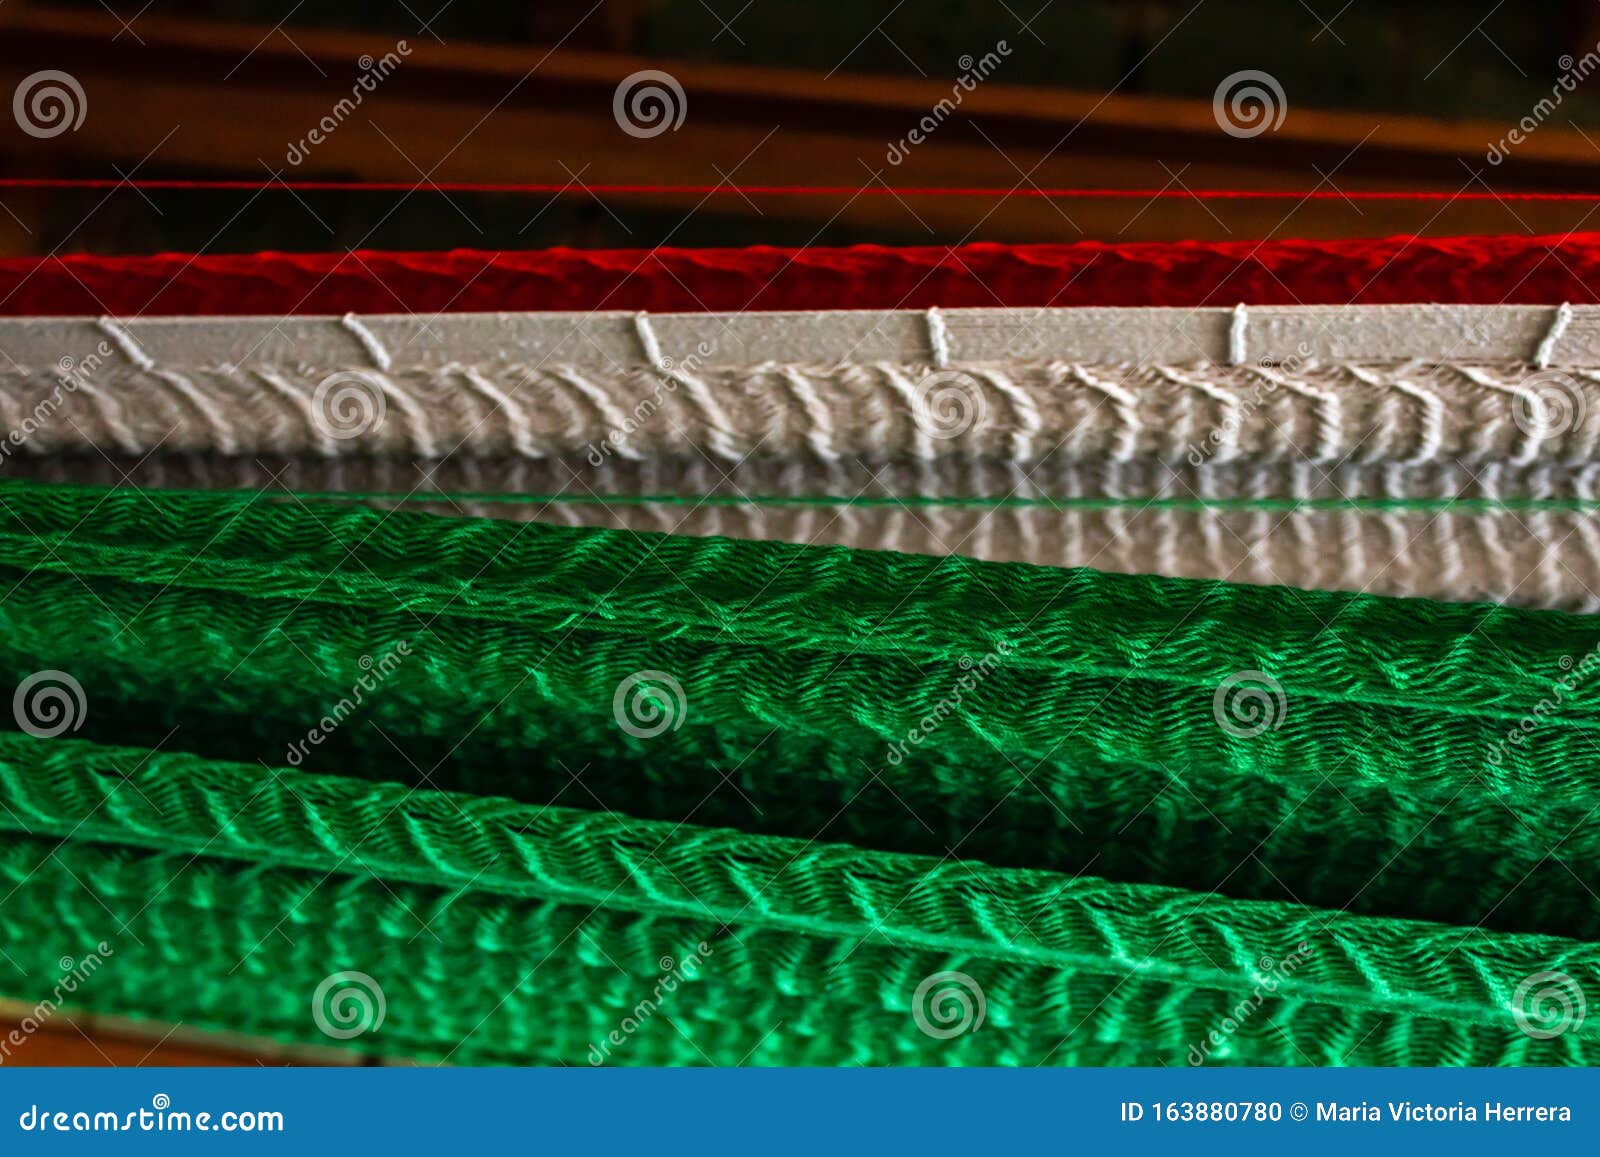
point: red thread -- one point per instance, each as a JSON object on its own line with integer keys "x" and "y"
{"x": 1468, "y": 270}
{"x": 726, "y": 190}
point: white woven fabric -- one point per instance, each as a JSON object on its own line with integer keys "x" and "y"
{"x": 1136, "y": 517}
{"x": 1019, "y": 412}
{"x": 1152, "y": 445}
{"x": 1540, "y": 335}
{"x": 1543, "y": 559}
{"x": 754, "y": 480}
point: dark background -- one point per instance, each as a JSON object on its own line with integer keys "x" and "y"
{"x": 1380, "y": 94}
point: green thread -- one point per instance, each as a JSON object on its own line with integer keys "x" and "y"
{"x": 472, "y": 979}
{"x": 549, "y": 866}
{"x": 881, "y": 766}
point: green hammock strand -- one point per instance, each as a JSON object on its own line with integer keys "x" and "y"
{"x": 789, "y": 897}
{"x": 474, "y": 980}
{"x": 881, "y": 767}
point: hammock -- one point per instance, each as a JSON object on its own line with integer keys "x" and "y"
{"x": 1095, "y": 673}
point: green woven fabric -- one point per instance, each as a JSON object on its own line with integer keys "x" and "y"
{"x": 880, "y": 768}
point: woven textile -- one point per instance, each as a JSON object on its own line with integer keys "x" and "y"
{"x": 1488, "y": 270}
{"x": 1020, "y": 680}
{"x": 1401, "y": 414}
{"x": 1184, "y": 467}
{"x": 552, "y": 764}
{"x": 585, "y": 905}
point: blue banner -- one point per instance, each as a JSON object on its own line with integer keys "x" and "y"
{"x": 705, "y": 1112}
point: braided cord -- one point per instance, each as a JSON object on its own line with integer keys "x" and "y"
{"x": 1442, "y": 655}
{"x": 1124, "y": 762}
{"x": 241, "y": 951}
{"x": 705, "y": 883}
{"x": 1026, "y": 769}
{"x": 1032, "y": 775}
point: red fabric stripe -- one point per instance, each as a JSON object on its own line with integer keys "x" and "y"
{"x": 1481, "y": 270}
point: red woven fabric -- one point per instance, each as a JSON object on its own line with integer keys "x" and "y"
{"x": 1480, "y": 270}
